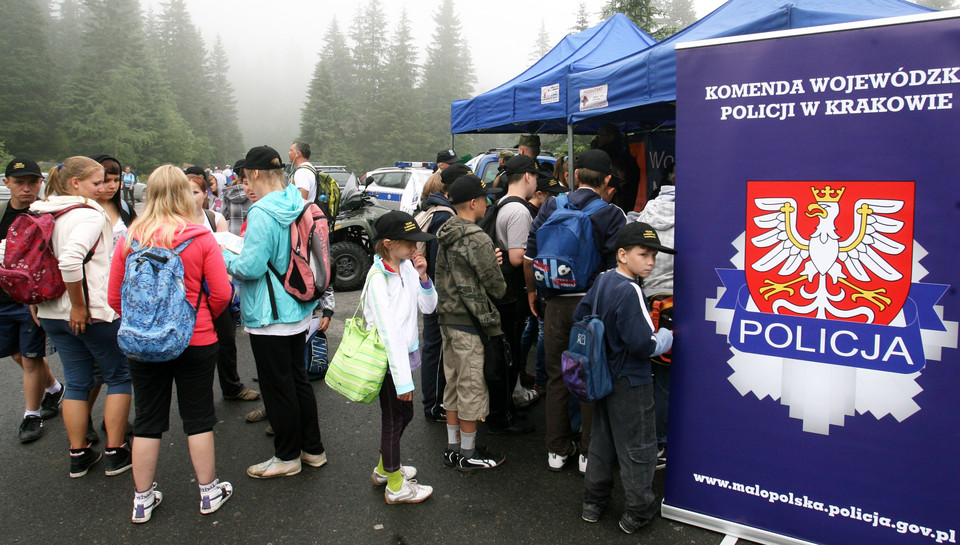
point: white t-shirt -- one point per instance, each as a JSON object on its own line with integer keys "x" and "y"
{"x": 304, "y": 178}
{"x": 217, "y": 216}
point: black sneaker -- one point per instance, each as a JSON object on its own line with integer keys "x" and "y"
{"x": 451, "y": 458}
{"x": 118, "y": 460}
{"x": 590, "y": 513}
{"x": 662, "y": 458}
{"x": 92, "y": 436}
{"x": 81, "y": 460}
{"x": 481, "y": 459}
{"x": 50, "y": 405}
{"x": 439, "y": 416}
{"x": 31, "y": 429}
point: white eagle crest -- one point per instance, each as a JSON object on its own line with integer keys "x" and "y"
{"x": 825, "y": 258}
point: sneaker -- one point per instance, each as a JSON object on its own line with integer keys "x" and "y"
{"x": 313, "y": 460}
{"x": 438, "y": 416}
{"x": 50, "y": 404}
{"x": 244, "y": 395}
{"x": 408, "y": 472}
{"x": 118, "y": 460}
{"x": 525, "y": 397}
{"x": 451, "y": 458}
{"x": 213, "y": 496}
{"x": 81, "y": 460}
{"x": 629, "y": 526}
{"x": 92, "y": 436}
{"x": 31, "y": 428}
{"x": 274, "y": 467}
{"x": 481, "y": 459}
{"x": 590, "y": 513}
{"x": 555, "y": 462}
{"x": 256, "y": 415}
{"x": 582, "y": 464}
{"x": 410, "y": 492}
{"x": 662, "y": 458}
{"x": 143, "y": 511}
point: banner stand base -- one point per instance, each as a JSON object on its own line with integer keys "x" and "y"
{"x": 729, "y": 528}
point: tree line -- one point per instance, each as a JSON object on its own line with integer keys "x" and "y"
{"x": 101, "y": 76}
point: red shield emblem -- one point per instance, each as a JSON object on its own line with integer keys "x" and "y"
{"x": 830, "y": 250}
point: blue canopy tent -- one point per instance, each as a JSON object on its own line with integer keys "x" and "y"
{"x": 642, "y": 88}
{"x": 535, "y": 101}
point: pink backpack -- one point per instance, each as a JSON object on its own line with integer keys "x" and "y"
{"x": 308, "y": 272}
{"x": 30, "y": 273}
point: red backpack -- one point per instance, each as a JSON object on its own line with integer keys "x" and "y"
{"x": 30, "y": 273}
{"x": 308, "y": 272}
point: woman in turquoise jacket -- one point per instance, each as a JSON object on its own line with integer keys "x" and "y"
{"x": 277, "y": 325}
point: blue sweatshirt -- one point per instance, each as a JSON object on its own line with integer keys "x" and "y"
{"x": 628, "y": 329}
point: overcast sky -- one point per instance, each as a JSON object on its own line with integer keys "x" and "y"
{"x": 273, "y": 46}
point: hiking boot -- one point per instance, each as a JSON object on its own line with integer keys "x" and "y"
{"x": 274, "y": 467}
{"x": 143, "y": 509}
{"x": 481, "y": 459}
{"x": 213, "y": 495}
{"x": 410, "y": 492}
{"x": 92, "y": 436}
{"x": 50, "y": 404}
{"x": 117, "y": 460}
{"x": 313, "y": 460}
{"x": 451, "y": 458}
{"x": 379, "y": 479}
{"x": 81, "y": 460}
{"x": 244, "y": 395}
{"x": 31, "y": 428}
{"x": 256, "y": 415}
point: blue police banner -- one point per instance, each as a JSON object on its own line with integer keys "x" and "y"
{"x": 816, "y": 374}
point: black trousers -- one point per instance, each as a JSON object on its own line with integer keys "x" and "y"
{"x": 432, "y": 379}
{"x": 503, "y": 412}
{"x": 287, "y": 394}
{"x": 230, "y": 383}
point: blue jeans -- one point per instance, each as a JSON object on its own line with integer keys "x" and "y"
{"x": 534, "y": 327}
{"x": 624, "y": 431}
{"x": 78, "y": 354}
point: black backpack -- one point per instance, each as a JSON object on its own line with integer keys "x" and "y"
{"x": 512, "y": 275}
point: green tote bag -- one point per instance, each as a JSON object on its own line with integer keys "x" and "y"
{"x": 360, "y": 363}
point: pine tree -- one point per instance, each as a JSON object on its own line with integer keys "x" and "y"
{"x": 447, "y": 76}
{"x": 642, "y": 12}
{"x": 542, "y": 45}
{"x": 582, "y": 22}
{"x": 675, "y": 16}
{"x": 368, "y": 50}
{"x": 398, "y": 133}
{"x": 25, "y": 94}
{"x": 227, "y": 143}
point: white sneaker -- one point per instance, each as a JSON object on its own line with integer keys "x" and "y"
{"x": 313, "y": 460}
{"x": 142, "y": 511}
{"x": 583, "y": 465}
{"x": 524, "y": 397}
{"x": 555, "y": 462}
{"x": 212, "y": 497}
{"x": 274, "y": 467}
{"x": 379, "y": 479}
{"x": 410, "y": 492}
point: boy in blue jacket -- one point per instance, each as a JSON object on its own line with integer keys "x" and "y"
{"x": 623, "y": 422}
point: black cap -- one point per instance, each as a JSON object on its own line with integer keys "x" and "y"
{"x": 639, "y": 233}
{"x": 519, "y": 164}
{"x": 546, "y": 182}
{"x": 469, "y": 187}
{"x": 22, "y": 167}
{"x": 194, "y": 169}
{"x": 447, "y": 156}
{"x": 452, "y": 172}
{"x": 261, "y": 158}
{"x": 598, "y": 160}
{"x": 398, "y": 225}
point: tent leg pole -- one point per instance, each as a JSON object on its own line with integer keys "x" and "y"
{"x": 451, "y": 141}
{"x": 570, "y": 154}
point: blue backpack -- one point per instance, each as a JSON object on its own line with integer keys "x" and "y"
{"x": 156, "y": 318}
{"x": 585, "y": 369}
{"x": 566, "y": 253}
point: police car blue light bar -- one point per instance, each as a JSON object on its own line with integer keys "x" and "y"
{"x": 410, "y": 164}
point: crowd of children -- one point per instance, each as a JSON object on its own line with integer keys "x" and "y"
{"x": 481, "y": 270}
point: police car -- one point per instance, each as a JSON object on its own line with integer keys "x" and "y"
{"x": 485, "y": 164}
{"x": 398, "y": 187}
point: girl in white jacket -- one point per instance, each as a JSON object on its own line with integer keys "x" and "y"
{"x": 397, "y": 287}
{"x": 80, "y": 323}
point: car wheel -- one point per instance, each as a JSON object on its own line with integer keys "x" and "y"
{"x": 351, "y": 263}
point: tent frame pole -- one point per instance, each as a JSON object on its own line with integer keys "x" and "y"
{"x": 570, "y": 154}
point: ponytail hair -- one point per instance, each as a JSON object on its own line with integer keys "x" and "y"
{"x": 78, "y": 166}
